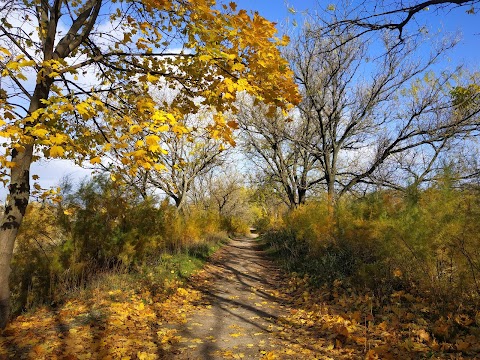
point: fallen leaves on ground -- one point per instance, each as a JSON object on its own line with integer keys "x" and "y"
{"x": 333, "y": 323}
{"x": 352, "y": 325}
{"x": 115, "y": 325}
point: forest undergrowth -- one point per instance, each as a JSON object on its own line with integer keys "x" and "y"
{"x": 402, "y": 271}
{"x": 101, "y": 264}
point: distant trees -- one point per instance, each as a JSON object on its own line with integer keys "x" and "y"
{"x": 275, "y": 144}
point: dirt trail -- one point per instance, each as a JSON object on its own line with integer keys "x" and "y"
{"x": 240, "y": 310}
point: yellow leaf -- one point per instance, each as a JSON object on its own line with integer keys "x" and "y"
{"x": 5, "y": 51}
{"x": 39, "y": 132}
{"x": 58, "y": 139}
{"x": 152, "y": 142}
{"x": 269, "y": 356}
{"x": 142, "y": 355}
{"x": 151, "y": 78}
{"x": 205, "y": 57}
{"x": 13, "y": 65}
{"x": 134, "y": 129}
{"x": 84, "y": 109}
{"x": 238, "y": 67}
{"x": 56, "y": 151}
{"x": 171, "y": 118}
{"x": 144, "y": 26}
{"x": 158, "y": 116}
{"x": 242, "y": 84}
{"x": 95, "y": 160}
{"x": 177, "y": 129}
{"x": 27, "y": 63}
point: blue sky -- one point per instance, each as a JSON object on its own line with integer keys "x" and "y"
{"x": 467, "y": 52}
{"x": 447, "y": 22}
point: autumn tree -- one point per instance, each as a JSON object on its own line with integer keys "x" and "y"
{"x": 273, "y": 142}
{"x": 185, "y": 159}
{"x": 369, "y": 106}
{"x": 76, "y": 75}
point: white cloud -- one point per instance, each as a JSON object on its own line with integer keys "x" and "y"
{"x": 51, "y": 172}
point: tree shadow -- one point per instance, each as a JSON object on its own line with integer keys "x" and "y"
{"x": 240, "y": 298}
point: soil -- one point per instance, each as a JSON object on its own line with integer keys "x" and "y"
{"x": 240, "y": 310}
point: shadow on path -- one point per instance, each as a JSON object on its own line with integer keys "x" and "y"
{"x": 239, "y": 309}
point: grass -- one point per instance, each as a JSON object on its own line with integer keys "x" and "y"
{"x": 160, "y": 276}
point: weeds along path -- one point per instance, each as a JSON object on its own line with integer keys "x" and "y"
{"x": 244, "y": 313}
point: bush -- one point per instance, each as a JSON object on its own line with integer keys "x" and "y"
{"x": 386, "y": 241}
{"x": 100, "y": 227}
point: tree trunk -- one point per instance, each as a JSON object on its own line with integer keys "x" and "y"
{"x": 15, "y": 207}
{"x": 179, "y": 203}
{"x": 331, "y": 196}
{"x": 302, "y": 193}
{"x": 16, "y": 204}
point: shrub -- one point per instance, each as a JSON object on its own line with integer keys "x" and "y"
{"x": 100, "y": 227}
{"x": 388, "y": 241}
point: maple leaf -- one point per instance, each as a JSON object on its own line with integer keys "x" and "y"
{"x": 57, "y": 151}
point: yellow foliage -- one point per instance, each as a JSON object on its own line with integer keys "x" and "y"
{"x": 223, "y": 41}
{"x": 57, "y": 151}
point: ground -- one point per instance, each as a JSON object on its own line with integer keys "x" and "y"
{"x": 240, "y": 309}
{"x": 240, "y": 306}
{"x": 244, "y": 313}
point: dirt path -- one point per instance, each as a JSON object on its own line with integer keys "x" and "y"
{"x": 240, "y": 310}
{"x": 250, "y": 311}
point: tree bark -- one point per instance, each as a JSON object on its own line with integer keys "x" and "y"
{"x": 15, "y": 207}
{"x": 302, "y": 194}
{"x": 17, "y": 201}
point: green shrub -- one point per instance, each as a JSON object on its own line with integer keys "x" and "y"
{"x": 97, "y": 228}
{"x": 386, "y": 241}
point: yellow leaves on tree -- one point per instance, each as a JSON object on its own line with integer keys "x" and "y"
{"x": 225, "y": 51}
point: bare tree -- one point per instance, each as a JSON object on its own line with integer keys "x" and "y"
{"x": 369, "y": 16}
{"x": 185, "y": 159}
{"x": 368, "y": 108}
{"x": 273, "y": 144}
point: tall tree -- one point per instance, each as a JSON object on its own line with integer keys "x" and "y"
{"x": 75, "y": 80}
{"x": 367, "y": 108}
